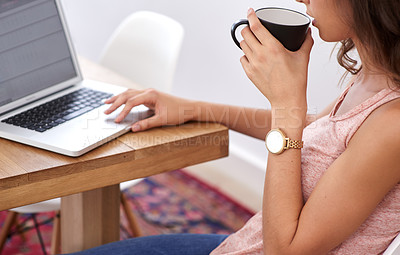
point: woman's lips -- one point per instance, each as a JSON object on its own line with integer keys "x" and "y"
{"x": 313, "y": 22}
{"x": 311, "y": 17}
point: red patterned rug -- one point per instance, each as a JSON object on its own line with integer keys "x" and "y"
{"x": 174, "y": 202}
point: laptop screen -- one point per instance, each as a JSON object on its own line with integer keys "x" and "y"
{"x": 34, "y": 51}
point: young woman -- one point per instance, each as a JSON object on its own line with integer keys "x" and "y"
{"x": 340, "y": 193}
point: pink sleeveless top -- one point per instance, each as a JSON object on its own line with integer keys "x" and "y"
{"x": 324, "y": 141}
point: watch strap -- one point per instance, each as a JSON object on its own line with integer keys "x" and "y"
{"x": 293, "y": 144}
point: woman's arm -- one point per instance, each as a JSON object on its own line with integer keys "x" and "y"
{"x": 352, "y": 186}
{"x": 344, "y": 197}
{"x": 248, "y": 121}
{"x": 171, "y": 110}
{"x": 281, "y": 76}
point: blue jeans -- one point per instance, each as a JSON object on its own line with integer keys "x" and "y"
{"x": 168, "y": 244}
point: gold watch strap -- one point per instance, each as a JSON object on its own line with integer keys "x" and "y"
{"x": 293, "y": 144}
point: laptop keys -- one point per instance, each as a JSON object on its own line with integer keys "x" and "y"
{"x": 51, "y": 114}
{"x": 78, "y": 112}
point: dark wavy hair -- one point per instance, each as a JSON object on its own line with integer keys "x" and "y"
{"x": 376, "y": 23}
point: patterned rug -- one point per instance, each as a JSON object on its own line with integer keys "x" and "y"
{"x": 173, "y": 202}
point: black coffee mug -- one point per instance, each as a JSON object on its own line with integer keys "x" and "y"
{"x": 288, "y": 26}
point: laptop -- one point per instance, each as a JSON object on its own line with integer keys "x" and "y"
{"x": 44, "y": 101}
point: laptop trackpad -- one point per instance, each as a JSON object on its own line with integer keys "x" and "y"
{"x": 93, "y": 128}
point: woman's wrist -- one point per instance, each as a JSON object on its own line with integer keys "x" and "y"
{"x": 289, "y": 117}
{"x": 198, "y": 109}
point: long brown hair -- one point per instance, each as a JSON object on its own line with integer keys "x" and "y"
{"x": 376, "y": 23}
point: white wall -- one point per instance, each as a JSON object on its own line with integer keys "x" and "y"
{"x": 209, "y": 67}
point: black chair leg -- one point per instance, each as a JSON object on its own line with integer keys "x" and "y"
{"x": 38, "y": 233}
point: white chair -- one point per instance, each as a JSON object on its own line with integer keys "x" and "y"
{"x": 394, "y": 247}
{"x": 145, "y": 48}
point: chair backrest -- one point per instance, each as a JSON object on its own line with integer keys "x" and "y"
{"x": 394, "y": 247}
{"x": 145, "y": 48}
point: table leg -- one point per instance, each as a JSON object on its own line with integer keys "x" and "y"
{"x": 90, "y": 219}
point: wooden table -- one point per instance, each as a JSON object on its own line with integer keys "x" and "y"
{"x": 89, "y": 185}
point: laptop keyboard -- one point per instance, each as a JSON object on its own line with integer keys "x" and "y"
{"x": 51, "y": 114}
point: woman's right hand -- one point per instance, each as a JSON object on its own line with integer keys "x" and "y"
{"x": 168, "y": 109}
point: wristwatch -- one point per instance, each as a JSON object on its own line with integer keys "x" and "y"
{"x": 277, "y": 142}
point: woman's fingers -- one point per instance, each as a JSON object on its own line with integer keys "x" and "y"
{"x": 250, "y": 40}
{"x": 128, "y": 91}
{"x": 111, "y": 100}
{"x": 130, "y": 103}
{"x": 154, "y": 121}
{"x": 260, "y": 32}
{"x": 245, "y": 63}
{"x": 119, "y": 100}
{"x": 308, "y": 43}
{"x": 245, "y": 48}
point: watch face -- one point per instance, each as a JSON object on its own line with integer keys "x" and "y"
{"x": 275, "y": 141}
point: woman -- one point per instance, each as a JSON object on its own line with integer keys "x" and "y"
{"x": 340, "y": 193}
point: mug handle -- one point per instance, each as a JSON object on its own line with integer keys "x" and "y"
{"x": 234, "y": 27}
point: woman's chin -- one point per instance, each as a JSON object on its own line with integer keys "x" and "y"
{"x": 329, "y": 38}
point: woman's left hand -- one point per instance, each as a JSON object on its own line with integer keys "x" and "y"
{"x": 280, "y": 74}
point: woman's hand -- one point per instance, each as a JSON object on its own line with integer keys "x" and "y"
{"x": 280, "y": 75}
{"x": 168, "y": 110}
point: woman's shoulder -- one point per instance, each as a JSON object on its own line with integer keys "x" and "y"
{"x": 381, "y": 131}
{"x": 376, "y": 144}
{"x": 387, "y": 116}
